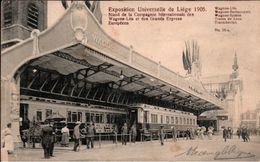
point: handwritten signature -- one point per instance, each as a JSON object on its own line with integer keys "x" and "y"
{"x": 228, "y": 152}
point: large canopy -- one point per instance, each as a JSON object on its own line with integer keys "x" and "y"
{"x": 76, "y": 60}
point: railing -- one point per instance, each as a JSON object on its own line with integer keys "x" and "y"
{"x": 118, "y": 138}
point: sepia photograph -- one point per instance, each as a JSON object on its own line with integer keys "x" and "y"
{"x": 130, "y": 80}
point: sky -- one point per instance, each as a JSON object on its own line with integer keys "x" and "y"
{"x": 164, "y": 41}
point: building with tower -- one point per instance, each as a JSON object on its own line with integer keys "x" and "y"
{"x": 19, "y": 18}
{"x": 227, "y": 88}
{"x": 251, "y": 119}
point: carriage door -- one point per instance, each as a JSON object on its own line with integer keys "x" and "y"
{"x": 133, "y": 116}
{"x": 25, "y": 123}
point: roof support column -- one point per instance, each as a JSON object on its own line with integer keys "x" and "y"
{"x": 10, "y": 105}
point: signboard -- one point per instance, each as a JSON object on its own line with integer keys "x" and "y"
{"x": 104, "y": 128}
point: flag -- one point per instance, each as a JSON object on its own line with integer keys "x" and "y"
{"x": 64, "y": 3}
{"x": 184, "y": 61}
{"x": 188, "y": 58}
{"x": 193, "y": 52}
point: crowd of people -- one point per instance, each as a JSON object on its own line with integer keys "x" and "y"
{"x": 48, "y": 135}
{"x": 244, "y": 133}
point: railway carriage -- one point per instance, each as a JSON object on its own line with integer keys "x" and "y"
{"x": 103, "y": 117}
{"x": 147, "y": 118}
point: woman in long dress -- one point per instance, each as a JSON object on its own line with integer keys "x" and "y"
{"x": 65, "y": 136}
{"x": 210, "y": 132}
{"x": 8, "y": 143}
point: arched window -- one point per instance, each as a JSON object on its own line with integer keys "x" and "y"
{"x": 32, "y": 16}
{"x": 7, "y": 9}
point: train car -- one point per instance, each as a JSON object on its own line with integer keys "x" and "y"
{"x": 149, "y": 118}
{"x": 103, "y": 117}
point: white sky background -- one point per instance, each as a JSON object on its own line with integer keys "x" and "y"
{"x": 164, "y": 41}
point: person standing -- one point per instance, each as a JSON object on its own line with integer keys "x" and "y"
{"x": 161, "y": 134}
{"x": 124, "y": 134}
{"x": 65, "y": 136}
{"x": 210, "y": 132}
{"x": 53, "y": 138}
{"x": 238, "y": 133}
{"x": 46, "y": 135}
{"x": 76, "y": 136}
{"x": 225, "y": 134}
{"x": 24, "y": 137}
{"x": 174, "y": 134}
{"x": 231, "y": 133}
{"x": 115, "y": 131}
{"x": 192, "y": 133}
{"x": 32, "y": 131}
{"x": 247, "y": 135}
{"x": 8, "y": 143}
{"x": 133, "y": 133}
{"x": 90, "y": 133}
{"x": 243, "y": 133}
{"x": 187, "y": 134}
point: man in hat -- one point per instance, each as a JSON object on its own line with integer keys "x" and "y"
{"x": 124, "y": 134}
{"x": 174, "y": 134}
{"x": 225, "y": 134}
{"x": 46, "y": 135}
{"x": 161, "y": 134}
{"x": 76, "y": 135}
{"x": 133, "y": 133}
{"x": 53, "y": 138}
{"x": 90, "y": 132}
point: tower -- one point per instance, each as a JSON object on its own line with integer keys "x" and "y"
{"x": 19, "y": 18}
{"x": 235, "y": 68}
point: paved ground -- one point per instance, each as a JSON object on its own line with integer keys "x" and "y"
{"x": 182, "y": 150}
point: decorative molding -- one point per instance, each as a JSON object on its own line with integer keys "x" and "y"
{"x": 35, "y": 36}
{"x": 79, "y": 20}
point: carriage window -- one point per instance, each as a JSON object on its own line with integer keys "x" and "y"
{"x": 108, "y": 118}
{"x": 48, "y": 112}
{"x": 161, "y": 119}
{"x": 97, "y": 118}
{"x": 32, "y": 17}
{"x": 112, "y": 118}
{"x": 92, "y": 117}
{"x": 190, "y": 121}
{"x": 39, "y": 116}
{"x": 176, "y": 120}
{"x": 123, "y": 118}
{"x": 87, "y": 115}
{"x": 184, "y": 121}
{"x": 193, "y": 121}
{"x": 116, "y": 118}
{"x": 69, "y": 116}
{"x": 74, "y": 117}
{"x": 154, "y": 118}
{"x": 180, "y": 120}
{"x": 80, "y": 116}
{"x": 101, "y": 118}
{"x": 172, "y": 120}
{"x": 145, "y": 116}
{"x": 167, "y": 119}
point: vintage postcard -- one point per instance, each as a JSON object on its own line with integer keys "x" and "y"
{"x": 130, "y": 80}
